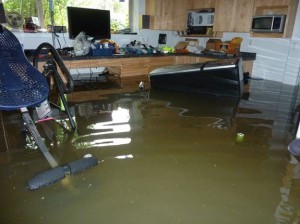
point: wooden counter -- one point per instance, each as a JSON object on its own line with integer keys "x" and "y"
{"x": 141, "y": 65}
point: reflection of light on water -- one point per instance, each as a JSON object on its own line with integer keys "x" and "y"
{"x": 220, "y": 124}
{"x": 118, "y": 124}
{"x": 109, "y": 142}
{"x": 119, "y": 128}
{"x": 130, "y": 156}
{"x": 118, "y": 116}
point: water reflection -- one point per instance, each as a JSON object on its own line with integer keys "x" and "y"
{"x": 216, "y": 112}
{"x": 165, "y": 158}
{"x": 116, "y": 121}
{"x": 288, "y": 209}
{"x": 109, "y": 122}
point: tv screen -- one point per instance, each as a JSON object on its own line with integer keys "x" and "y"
{"x": 94, "y": 22}
{"x": 2, "y": 14}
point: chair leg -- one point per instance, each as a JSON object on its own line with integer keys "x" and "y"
{"x": 57, "y": 172}
{"x": 37, "y": 137}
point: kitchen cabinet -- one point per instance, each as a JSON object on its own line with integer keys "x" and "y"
{"x": 167, "y": 14}
{"x": 233, "y": 15}
{"x": 172, "y": 14}
{"x": 202, "y": 4}
{"x": 156, "y": 62}
{"x": 84, "y": 63}
{"x": 277, "y": 7}
{"x": 191, "y": 59}
{"x": 140, "y": 66}
{"x": 124, "y": 66}
{"x": 135, "y": 67}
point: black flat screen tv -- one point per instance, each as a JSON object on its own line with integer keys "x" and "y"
{"x": 94, "y": 22}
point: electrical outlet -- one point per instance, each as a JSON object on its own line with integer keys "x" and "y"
{"x": 162, "y": 39}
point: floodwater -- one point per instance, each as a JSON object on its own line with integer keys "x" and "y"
{"x": 164, "y": 158}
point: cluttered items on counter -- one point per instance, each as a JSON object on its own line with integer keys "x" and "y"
{"x": 137, "y": 47}
{"x": 104, "y": 47}
{"x": 85, "y": 45}
{"x": 219, "y": 47}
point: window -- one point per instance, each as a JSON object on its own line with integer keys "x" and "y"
{"x": 121, "y": 10}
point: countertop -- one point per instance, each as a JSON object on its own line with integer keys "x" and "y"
{"x": 246, "y": 56}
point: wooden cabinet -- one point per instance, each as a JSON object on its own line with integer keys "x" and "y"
{"x": 247, "y": 66}
{"x": 135, "y": 66}
{"x": 191, "y": 59}
{"x": 84, "y": 63}
{"x": 168, "y": 14}
{"x": 172, "y": 14}
{"x": 141, "y": 66}
{"x": 233, "y": 15}
{"x": 156, "y": 62}
{"x": 202, "y": 4}
{"x": 230, "y": 15}
{"x": 277, "y": 7}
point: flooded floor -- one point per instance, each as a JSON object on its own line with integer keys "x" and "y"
{"x": 165, "y": 158}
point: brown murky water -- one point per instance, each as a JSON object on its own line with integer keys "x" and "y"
{"x": 165, "y": 158}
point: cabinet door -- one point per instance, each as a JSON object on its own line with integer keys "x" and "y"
{"x": 156, "y": 62}
{"x": 233, "y": 15}
{"x": 135, "y": 66}
{"x": 259, "y": 3}
{"x": 91, "y": 63}
{"x": 200, "y": 4}
{"x": 243, "y": 15}
{"x": 168, "y": 14}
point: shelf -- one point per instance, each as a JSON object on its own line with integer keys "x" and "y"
{"x": 196, "y": 35}
{"x": 268, "y": 35}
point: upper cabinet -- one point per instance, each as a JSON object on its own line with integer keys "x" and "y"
{"x": 277, "y": 7}
{"x": 233, "y": 15}
{"x": 230, "y": 15}
{"x": 172, "y": 14}
{"x": 167, "y": 14}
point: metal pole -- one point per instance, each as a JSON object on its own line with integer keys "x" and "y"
{"x": 52, "y": 21}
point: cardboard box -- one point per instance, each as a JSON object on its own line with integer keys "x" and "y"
{"x": 181, "y": 45}
{"x": 211, "y": 43}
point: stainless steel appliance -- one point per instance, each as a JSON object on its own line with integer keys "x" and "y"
{"x": 199, "y": 22}
{"x": 268, "y": 23}
{"x": 200, "y": 18}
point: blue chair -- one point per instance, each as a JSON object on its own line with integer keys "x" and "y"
{"x": 22, "y": 86}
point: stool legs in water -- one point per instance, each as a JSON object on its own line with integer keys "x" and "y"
{"x": 57, "y": 173}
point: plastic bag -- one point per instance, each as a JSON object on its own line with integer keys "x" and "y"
{"x": 81, "y": 44}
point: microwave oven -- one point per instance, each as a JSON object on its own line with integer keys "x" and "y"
{"x": 200, "y": 19}
{"x": 268, "y": 23}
